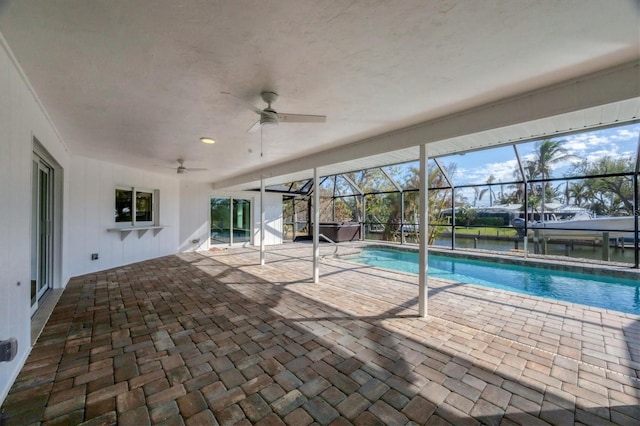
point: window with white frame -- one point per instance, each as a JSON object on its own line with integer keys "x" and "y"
{"x": 136, "y": 207}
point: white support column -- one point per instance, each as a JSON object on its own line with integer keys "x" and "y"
{"x": 363, "y": 228}
{"x": 262, "y": 220}
{"x": 424, "y": 233}
{"x": 316, "y": 226}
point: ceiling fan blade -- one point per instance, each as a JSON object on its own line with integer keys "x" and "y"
{"x": 254, "y": 128}
{"x": 301, "y": 118}
{"x": 244, "y": 103}
{"x": 196, "y": 169}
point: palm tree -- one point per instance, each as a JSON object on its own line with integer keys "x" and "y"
{"x": 529, "y": 168}
{"x": 548, "y": 153}
{"x": 490, "y": 180}
{"x": 502, "y": 196}
{"x": 519, "y": 189}
{"x": 579, "y": 191}
{"x": 478, "y": 194}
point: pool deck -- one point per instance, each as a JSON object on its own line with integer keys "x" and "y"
{"x": 215, "y": 338}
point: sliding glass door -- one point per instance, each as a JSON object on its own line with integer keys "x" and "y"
{"x": 241, "y": 217}
{"x": 41, "y": 230}
{"x": 230, "y": 221}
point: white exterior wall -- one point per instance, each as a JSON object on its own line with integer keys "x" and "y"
{"x": 273, "y": 214}
{"x": 21, "y": 118}
{"x": 84, "y": 210}
{"x": 273, "y": 219}
{"x": 91, "y": 213}
{"x": 195, "y": 219}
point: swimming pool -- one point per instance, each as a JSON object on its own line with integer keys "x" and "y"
{"x": 600, "y": 291}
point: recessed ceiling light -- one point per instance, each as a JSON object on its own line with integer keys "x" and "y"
{"x": 207, "y": 140}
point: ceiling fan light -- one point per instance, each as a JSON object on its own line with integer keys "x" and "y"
{"x": 207, "y": 140}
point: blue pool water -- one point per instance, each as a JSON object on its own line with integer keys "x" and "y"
{"x": 599, "y": 291}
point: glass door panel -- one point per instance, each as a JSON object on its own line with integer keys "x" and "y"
{"x": 45, "y": 237}
{"x": 41, "y": 231}
{"x": 230, "y": 221}
{"x": 241, "y": 216}
{"x": 220, "y": 221}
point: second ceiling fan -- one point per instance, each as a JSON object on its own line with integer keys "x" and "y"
{"x": 269, "y": 116}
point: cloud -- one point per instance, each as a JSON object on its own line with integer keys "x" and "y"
{"x": 575, "y": 145}
{"x": 625, "y": 134}
{"x": 594, "y": 156}
{"x": 591, "y": 146}
{"x": 502, "y": 172}
{"x": 614, "y": 143}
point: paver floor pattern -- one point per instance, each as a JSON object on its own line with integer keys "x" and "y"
{"x": 216, "y": 338}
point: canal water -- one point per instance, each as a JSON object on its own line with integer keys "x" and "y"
{"x": 575, "y": 251}
{"x": 580, "y": 251}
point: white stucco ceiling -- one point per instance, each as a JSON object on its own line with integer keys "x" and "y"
{"x": 138, "y": 82}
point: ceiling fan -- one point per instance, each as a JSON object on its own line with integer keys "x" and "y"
{"x": 269, "y": 116}
{"x": 182, "y": 169}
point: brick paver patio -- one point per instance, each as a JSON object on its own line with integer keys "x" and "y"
{"x": 215, "y": 338}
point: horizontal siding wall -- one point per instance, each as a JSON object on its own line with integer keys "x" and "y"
{"x": 91, "y": 214}
{"x": 21, "y": 118}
